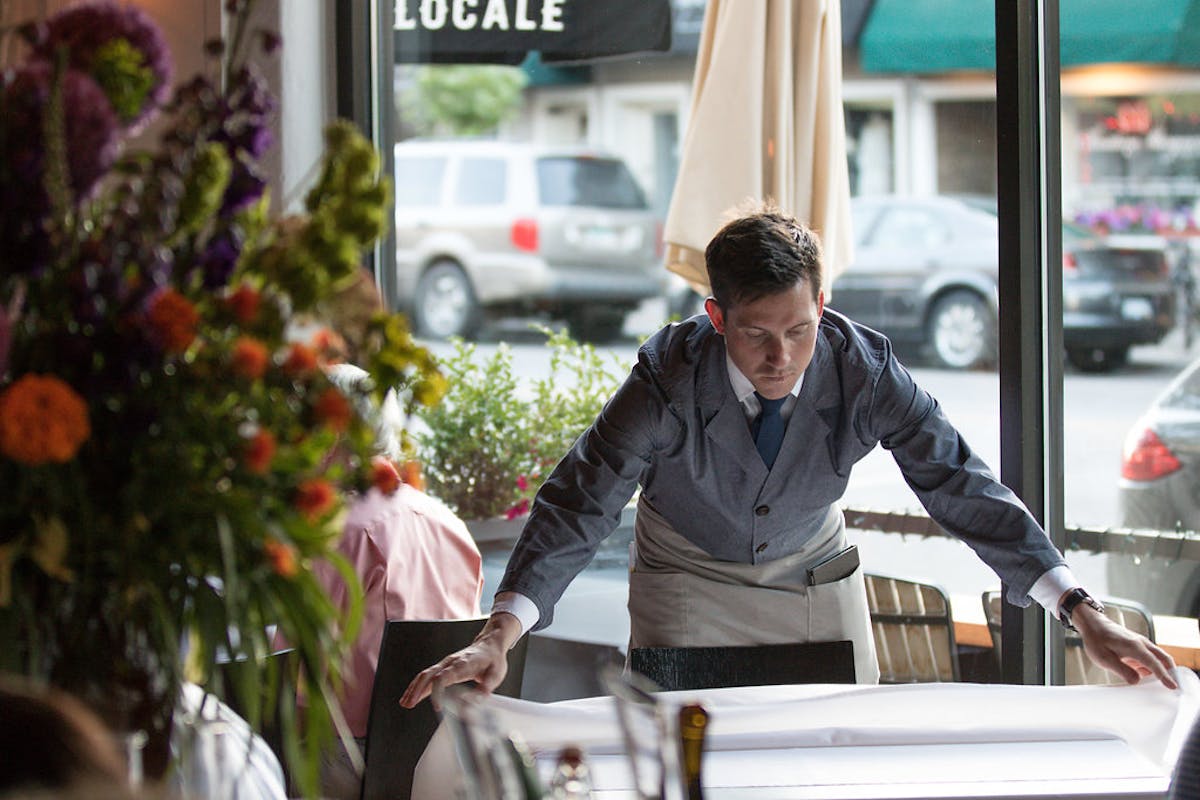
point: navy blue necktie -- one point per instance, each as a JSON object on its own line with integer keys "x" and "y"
{"x": 768, "y": 429}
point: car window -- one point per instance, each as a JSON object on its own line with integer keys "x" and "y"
{"x": 419, "y": 180}
{"x": 481, "y": 182}
{"x": 909, "y": 227}
{"x": 579, "y": 181}
{"x": 1185, "y": 393}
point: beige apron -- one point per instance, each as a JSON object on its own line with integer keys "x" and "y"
{"x": 680, "y": 596}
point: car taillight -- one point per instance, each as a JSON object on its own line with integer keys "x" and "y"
{"x": 1146, "y": 458}
{"x": 1070, "y": 265}
{"x": 524, "y": 235}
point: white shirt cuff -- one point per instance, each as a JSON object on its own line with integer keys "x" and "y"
{"x": 1047, "y": 589}
{"x": 520, "y": 607}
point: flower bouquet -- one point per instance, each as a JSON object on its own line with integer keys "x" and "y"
{"x": 165, "y": 438}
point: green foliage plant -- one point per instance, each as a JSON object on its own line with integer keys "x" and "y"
{"x": 462, "y": 99}
{"x": 493, "y": 441}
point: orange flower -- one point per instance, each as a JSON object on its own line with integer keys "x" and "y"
{"x": 173, "y": 320}
{"x": 42, "y": 419}
{"x": 243, "y": 302}
{"x": 259, "y": 451}
{"x": 282, "y": 557}
{"x": 329, "y": 345}
{"x": 314, "y": 497}
{"x": 384, "y": 475}
{"x": 249, "y": 357}
{"x": 333, "y": 409}
{"x": 300, "y": 360}
{"x": 410, "y": 472}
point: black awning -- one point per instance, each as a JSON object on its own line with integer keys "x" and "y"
{"x": 504, "y": 31}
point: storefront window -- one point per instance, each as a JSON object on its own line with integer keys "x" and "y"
{"x": 921, "y": 132}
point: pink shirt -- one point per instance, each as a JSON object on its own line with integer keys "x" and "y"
{"x": 416, "y": 560}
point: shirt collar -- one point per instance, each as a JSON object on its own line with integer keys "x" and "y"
{"x": 743, "y": 389}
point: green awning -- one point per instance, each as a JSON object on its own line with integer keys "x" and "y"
{"x": 927, "y": 36}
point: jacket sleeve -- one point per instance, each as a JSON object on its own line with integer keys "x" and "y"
{"x": 954, "y": 485}
{"x": 580, "y": 504}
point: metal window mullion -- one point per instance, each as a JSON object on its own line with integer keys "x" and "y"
{"x": 1030, "y": 285}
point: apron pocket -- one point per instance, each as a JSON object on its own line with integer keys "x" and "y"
{"x": 839, "y": 610}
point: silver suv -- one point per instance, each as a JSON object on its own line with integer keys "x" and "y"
{"x": 502, "y": 228}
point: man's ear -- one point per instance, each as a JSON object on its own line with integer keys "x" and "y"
{"x": 820, "y": 302}
{"x": 715, "y": 315}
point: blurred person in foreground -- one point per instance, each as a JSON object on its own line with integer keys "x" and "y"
{"x": 414, "y": 558}
{"x": 51, "y": 742}
{"x": 741, "y": 426}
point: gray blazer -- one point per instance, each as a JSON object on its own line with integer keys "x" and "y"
{"x": 676, "y": 429}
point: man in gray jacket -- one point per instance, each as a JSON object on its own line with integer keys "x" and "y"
{"x": 741, "y": 429}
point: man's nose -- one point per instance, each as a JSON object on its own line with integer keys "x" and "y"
{"x": 777, "y": 352}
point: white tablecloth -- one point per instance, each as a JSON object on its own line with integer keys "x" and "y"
{"x": 919, "y": 740}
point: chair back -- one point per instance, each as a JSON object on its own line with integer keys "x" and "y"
{"x": 396, "y": 736}
{"x": 1079, "y": 669}
{"x": 676, "y": 668}
{"x": 914, "y": 630}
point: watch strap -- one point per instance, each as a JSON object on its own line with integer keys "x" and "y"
{"x": 1073, "y": 600}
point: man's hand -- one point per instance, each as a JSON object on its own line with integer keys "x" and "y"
{"x": 484, "y": 661}
{"x": 1120, "y": 650}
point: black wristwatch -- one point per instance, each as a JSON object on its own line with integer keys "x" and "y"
{"x": 1072, "y": 602}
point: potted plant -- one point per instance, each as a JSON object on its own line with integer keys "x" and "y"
{"x": 492, "y": 441}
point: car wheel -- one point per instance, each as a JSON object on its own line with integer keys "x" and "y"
{"x": 962, "y": 331}
{"x": 598, "y": 325}
{"x": 444, "y": 304}
{"x": 1097, "y": 359}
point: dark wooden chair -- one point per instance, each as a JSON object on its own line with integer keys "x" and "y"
{"x": 675, "y": 668}
{"x": 396, "y": 737}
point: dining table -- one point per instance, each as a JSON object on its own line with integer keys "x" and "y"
{"x": 860, "y": 742}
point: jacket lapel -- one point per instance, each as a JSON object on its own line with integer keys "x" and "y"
{"x": 815, "y": 412}
{"x": 725, "y": 421}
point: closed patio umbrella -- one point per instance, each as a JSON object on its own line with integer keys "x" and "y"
{"x": 766, "y": 123}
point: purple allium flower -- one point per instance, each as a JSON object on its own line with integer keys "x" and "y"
{"x": 91, "y": 134}
{"x": 245, "y": 187}
{"x": 86, "y": 29}
{"x": 218, "y": 260}
{"x": 90, "y": 127}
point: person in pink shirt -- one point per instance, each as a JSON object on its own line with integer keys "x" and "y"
{"x": 415, "y": 560}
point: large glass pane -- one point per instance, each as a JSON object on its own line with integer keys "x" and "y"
{"x": 604, "y": 137}
{"x": 1131, "y": 182}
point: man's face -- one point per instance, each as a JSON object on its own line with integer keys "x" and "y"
{"x": 771, "y": 339}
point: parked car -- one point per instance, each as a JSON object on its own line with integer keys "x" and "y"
{"x": 1159, "y": 489}
{"x": 502, "y": 228}
{"x": 925, "y": 272}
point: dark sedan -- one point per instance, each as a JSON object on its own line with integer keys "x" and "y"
{"x": 1159, "y": 489}
{"x": 925, "y": 272}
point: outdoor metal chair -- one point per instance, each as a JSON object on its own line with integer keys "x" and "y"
{"x": 914, "y": 630}
{"x": 1080, "y": 669}
{"x": 396, "y": 736}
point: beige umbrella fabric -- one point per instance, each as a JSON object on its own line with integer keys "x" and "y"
{"x": 765, "y": 124}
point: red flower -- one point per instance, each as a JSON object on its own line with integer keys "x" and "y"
{"x": 259, "y": 451}
{"x": 333, "y": 409}
{"x": 249, "y": 358}
{"x": 42, "y": 419}
{"x": 282, "y": 557}
{"x": 314, "y": 497}
{"x": 330, "y": 346}
{"x": 522, "y": 482}
{"x": 173, "y": 320}
{"x": 384, "y": 475}
{"x": 300, "y": 360}
{"x": 522, "y": 507}
{"x": 244, "y": 302}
